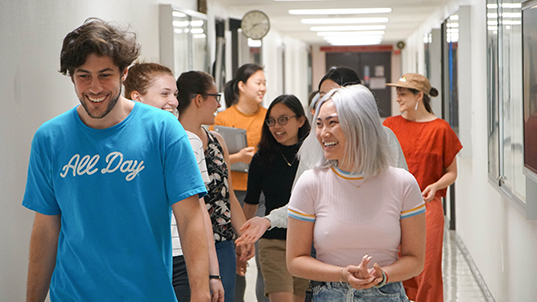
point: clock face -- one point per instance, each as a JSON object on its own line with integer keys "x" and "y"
{"x": 255, "y": 24}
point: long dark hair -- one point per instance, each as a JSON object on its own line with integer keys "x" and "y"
{"x": 190, "y": 84}
{"x": 268, "y": 144}
{"x": 343, "y": 76}
{"x": 231, "y": 91}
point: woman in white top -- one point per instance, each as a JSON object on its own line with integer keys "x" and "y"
{"x": 154, "y": 85}
{"x": 355, "y": 208}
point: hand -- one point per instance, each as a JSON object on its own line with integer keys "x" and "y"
{"x": 247, "y": 252}
{"x": 246, "y": 154}
{"x": 217, "y": 290}
{"x": 252, "y": 230}
{"x": 429, "y": 193}
{"x": 360, "y": 277}
{"x": 241, "y": 266}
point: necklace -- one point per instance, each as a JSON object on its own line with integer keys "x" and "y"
{"x": 357, "y": 179}
{"x": 284, "y": 158}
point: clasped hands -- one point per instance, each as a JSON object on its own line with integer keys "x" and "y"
{"x": 360, "y": 277}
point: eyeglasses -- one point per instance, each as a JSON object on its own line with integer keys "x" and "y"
{"x": 217, "y": 96}
{"x": 282, "y": 120}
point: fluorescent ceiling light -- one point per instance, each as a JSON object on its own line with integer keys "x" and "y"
{"x": 348, "y": 27}
{"x": 350, "y": 33}
{"x": 195, "y": 23}
{"x": 344, "y": 20}
{"x": 355, "y": 41}
{"x": 370, "y": 39}
{"x": 178, "y": 14}
{"x": 197, "y": 30}
{"x": 452, "y": 24}
{"x": 454, "y": 17}
{"x": 505, "y": 5}
{"x": 254, "y": 43}
{"x": 339, "y": 11}
{"x": 199, "y": 36}
{"x": 504, "y": 15}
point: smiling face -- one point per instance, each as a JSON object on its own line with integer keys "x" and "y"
{"x": 406, "y": 99}
{"x": 162, "y": 93}
{"x": 287, "y": 134}
{"x": 98, "y": 85}
{"x": 329, "y": 132}
{"x": 255, "y": 87}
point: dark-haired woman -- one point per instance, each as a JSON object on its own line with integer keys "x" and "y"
{"x": 272, "y": 172}
{"x": 198, "y": 101}
{"x": 243, "y": 96}
{"x": 430, "y": 147}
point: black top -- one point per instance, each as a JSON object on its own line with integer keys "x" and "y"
{"x": 275, "y": 181}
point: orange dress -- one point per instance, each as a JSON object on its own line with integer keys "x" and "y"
{"x": 253, "y": 124}
{"x": 429, "y": 148}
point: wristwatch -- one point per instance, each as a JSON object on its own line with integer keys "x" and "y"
{"x": 215, "y": 277}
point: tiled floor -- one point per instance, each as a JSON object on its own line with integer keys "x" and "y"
{"x": 460, "y": 285}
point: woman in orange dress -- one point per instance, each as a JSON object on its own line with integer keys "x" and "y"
{"x": 430, "y": 147}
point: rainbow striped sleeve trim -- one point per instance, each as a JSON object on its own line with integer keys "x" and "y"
{"x": 413, "y": 212}
{"x": 300, "y": 216}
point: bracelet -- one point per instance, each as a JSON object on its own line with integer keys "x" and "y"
{"x": 384, "y": 280}
{"x": 341, "y": 275}
{"x": 215, "y": 277}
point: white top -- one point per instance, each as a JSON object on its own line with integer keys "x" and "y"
{"x": 197, "y": 147}
{"x": 354, "y": 217}
{"x": 278, "y": 217}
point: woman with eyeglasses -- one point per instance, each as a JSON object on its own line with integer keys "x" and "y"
{"x": 198, "y": 101}
{"x": 335, "y": 78}
{"x": 154, "y": 85}
{"x": 272, "y": 172}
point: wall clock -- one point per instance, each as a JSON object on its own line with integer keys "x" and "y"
{"x": 255, "y": 24}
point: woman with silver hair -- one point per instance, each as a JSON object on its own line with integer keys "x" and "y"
{"x": 354, "y": 207}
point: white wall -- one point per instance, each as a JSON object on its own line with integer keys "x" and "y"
{"x": 502, "y": 243}
{"x": 32, "y": 91}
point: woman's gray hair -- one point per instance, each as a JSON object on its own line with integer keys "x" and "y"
{"x": 366, "y": 148}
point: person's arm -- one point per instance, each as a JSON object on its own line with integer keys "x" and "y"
{"x": 43, "y": 249}
{"x": 446, "y": 180}
{"x": 191, "y": 227}
{"x": 216, "y": 287}
{"x": 412, "y": 259}
{"x": 299, "y": 260}
{"x": 244, "y": 155}
{"x": 255, "y": 227}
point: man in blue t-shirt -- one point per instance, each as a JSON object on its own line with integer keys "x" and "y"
{"x": 103, "y": 179}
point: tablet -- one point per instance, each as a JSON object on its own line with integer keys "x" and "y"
{"x": 235, "y": 139}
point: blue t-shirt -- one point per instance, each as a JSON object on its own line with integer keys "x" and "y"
{"x": 113, "y": 188}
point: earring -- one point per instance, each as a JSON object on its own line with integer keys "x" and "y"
{"x": 417, "y": 103}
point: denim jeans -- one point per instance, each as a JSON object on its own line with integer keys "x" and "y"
{"x": 225, "y": 251}
{"x": 343, "y": 292}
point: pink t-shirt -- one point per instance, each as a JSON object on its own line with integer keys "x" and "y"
{"x": 354, "y": 217}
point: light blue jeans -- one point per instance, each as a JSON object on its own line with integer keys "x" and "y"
{"x": 343, "y": 292}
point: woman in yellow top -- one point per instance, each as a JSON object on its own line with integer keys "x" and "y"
{"x": 244, "y": 95}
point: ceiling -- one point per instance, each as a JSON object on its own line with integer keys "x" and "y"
{"x": 406, "y": 15}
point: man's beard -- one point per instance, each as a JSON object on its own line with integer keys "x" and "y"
{"x": 109, "y": 108}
